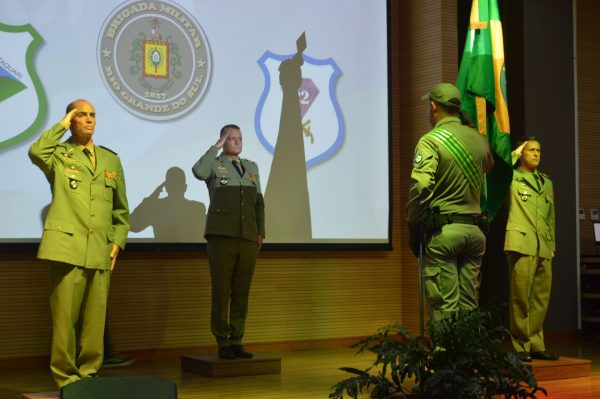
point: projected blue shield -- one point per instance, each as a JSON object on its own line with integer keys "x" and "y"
{"x": 322, "y": 120}
{"x": 21, "y": 92}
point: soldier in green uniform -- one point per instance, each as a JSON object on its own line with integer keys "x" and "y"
{"x": 235, "y": 228}
{"x": 85, "y": 228}
{"x": 443, "y": 209}
{"x": 529, "y": 246}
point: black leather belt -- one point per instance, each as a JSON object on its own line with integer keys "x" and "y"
{"x": 435, "y": 221}
{"x": 457, "y": 218}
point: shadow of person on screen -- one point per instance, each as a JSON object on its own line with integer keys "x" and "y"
{"x": 173, "y": 218}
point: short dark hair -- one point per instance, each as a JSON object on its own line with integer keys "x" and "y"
{"x": 454, "y": 109}
{"x": 526, "y": 139}
{"x": 226, "y": 128}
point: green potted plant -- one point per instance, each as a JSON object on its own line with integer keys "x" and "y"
{"x": 463, "y": 358}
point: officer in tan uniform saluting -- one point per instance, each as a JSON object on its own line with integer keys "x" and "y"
{"x": 529, "y": 245}
{"x": 443, "y": 209}
{"x": 235, "y": 228}
{"x": 85, "y": 229}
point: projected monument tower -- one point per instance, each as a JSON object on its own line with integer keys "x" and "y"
{"x": 287, "y": 204}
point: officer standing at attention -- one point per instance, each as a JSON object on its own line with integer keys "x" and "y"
{"x": 443, "y": 209}
{"x": 529, "y": 246}
{"x": 85, "y": 229}
{"x": 235, "y": 228}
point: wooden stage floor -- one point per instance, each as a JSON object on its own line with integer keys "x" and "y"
{"x": 304, "y": 374}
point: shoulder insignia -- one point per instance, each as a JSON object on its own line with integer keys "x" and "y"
{"x": 544, "y": 175}
{"x": 249, "y": 160}
{"x": 108, "y": 149}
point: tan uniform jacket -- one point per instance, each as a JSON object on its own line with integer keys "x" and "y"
{"x": 89, "y": 211}
{"x": 530, "y": 229}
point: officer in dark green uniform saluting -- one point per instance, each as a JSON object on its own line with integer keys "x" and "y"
{"x": 443, "y": 204}
{"x": 529, "y": 245}
{"x": 84, "y": 231}
{"x": 235, "y": 228}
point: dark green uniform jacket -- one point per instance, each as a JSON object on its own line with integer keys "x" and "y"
{"x": 237, "y": 207}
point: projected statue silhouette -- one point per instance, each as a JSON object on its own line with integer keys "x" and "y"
{"x": 287, "y": 205}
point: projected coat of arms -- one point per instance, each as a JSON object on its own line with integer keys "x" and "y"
{"x": 154, "y": 59}
{"x": 322, "y": 120}
{"x": 20, "y": 86}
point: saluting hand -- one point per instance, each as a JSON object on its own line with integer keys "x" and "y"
{"x": 158, "y": 190}
{"x": 516, "y": 154}
{"x": 66, "y": 120}
{"x": 222, "y": 140}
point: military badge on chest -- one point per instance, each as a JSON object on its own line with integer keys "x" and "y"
{"x": 72, "y": 172}
{"x": 223, "y": 171}
{"x": 525, "y": 194}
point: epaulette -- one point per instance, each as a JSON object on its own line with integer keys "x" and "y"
{"x": 249, "y": 160}
{"x": 108, "y": 149}
{"x": 544, "y": 175}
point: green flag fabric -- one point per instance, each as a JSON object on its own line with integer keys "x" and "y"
{"x": 482, "y": 83}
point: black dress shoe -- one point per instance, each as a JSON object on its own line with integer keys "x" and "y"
{"x": 524, "y": 356}
{"x": 225, "y": 352}
{"x": 544, "y": 356}
{"x": 238, "y": 351}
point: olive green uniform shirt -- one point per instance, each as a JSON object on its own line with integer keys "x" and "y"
{"x": 436, "y": 180}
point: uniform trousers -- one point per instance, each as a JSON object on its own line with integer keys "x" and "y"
{"x": 530, "y": 285}
{"x": 451, "y": 272}
{"x": 232, "y": 262}
{"x": 78, "y": 299}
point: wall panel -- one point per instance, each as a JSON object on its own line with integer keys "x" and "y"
{"x": 588, "y": 97}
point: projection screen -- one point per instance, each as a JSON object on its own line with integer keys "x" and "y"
{"x": 165, "y": 76}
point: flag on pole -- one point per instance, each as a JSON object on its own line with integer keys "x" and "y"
{"x": 482, "y": 83}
